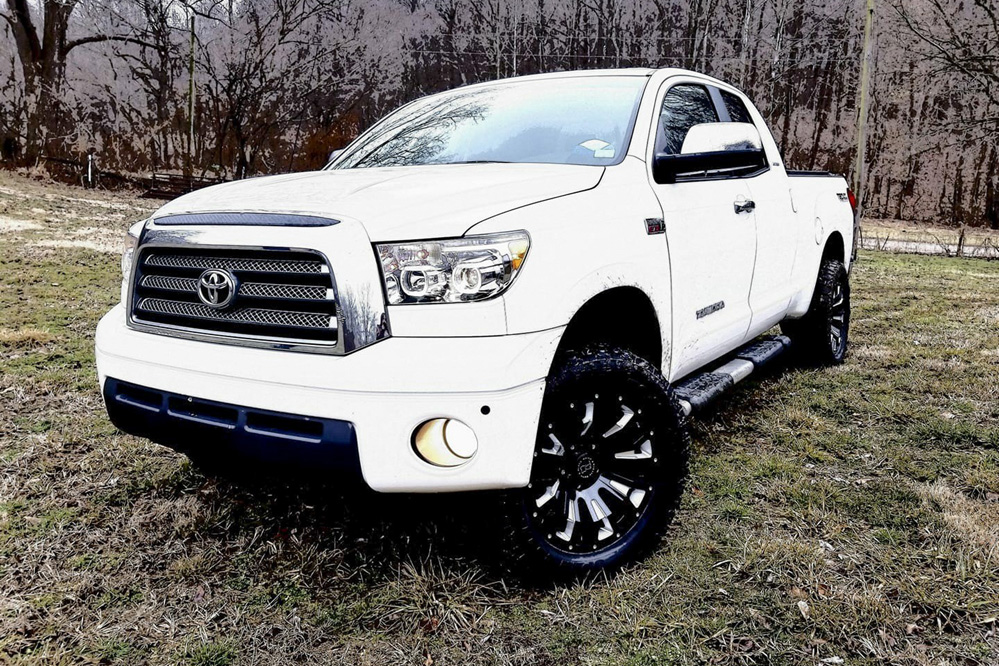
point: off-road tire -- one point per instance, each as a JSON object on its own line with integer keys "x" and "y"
{"x": 648, "y": 454}
{"x": 822, "y": 335}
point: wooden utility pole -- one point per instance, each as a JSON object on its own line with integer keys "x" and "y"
{"x": 859, "y": 175}
{"x": 498, "y": 53}
{"x": 189, "y": 166}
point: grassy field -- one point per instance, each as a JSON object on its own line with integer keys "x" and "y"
{"x": 836, "y": 516}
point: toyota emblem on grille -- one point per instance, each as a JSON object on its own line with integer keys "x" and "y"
{"x": 217, "y": 288}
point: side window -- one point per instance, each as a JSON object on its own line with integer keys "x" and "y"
{"x": 737, "y": 111}
{"x": 684, "y": 106}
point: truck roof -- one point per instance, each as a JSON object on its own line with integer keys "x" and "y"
{"x": 576, "y": 73}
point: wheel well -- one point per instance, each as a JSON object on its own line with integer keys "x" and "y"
{"x": 834, "y": 248}
{"x": 623, "y": 317}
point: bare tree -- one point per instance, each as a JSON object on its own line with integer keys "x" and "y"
{"x": 279, "y": 83}
{"x": 43, "y": 57}
{"x": 958, "y": 42}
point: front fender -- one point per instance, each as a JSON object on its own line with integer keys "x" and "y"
{"x": 585, "y": 244}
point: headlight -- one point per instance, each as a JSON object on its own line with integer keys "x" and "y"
{"x": 131, "y": 240}
{"x": 452, "y": 271}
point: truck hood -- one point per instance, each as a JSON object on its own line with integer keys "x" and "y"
{"x": 397, "y": 203}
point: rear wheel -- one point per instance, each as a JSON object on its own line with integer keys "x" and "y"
{"x": 609, "y": 464}
{"x": 821, "y": 336}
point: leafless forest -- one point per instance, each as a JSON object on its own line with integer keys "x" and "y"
{"x": 233, "y": 88}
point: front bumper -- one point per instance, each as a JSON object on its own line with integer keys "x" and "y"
{"x": 383, "y": 393}
{"x": 281, "y": 442}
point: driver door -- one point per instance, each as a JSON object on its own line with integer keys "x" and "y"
{"x": 712, "y": 247}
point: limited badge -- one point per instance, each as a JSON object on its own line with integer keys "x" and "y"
{"x": 654, "y": 225}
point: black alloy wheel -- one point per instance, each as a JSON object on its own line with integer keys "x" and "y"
{"x": 839, "y": 318}
{"x": 822, "y": 335}
{"x": 609, "y": 463}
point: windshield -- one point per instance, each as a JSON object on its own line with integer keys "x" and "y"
{"x": 573, "y": 120}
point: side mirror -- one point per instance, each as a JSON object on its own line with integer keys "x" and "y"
{"x": 713, "y": 149}
{"x": 333, "y": 155}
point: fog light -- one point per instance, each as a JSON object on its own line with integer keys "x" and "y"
{"x": 445, "y": 442}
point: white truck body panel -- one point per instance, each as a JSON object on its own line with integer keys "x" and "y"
{"x": 716, "y": 278}
{"x": 397, "y": 203}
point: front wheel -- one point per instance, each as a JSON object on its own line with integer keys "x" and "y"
{"x": 609, "y": 464}
{"x": 821, "y": 336}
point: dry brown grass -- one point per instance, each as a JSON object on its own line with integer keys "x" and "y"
{"x": 24, "y": 337}
{"x": 917, "y": 231}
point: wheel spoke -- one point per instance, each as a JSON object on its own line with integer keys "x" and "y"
{"x": 557, "y": 449}
{"x": 550, "y": 492}
{"x": 643, "y": 452}
{"x": 636, "y": 497}
{"x": 626, "y": 414}
{"x": 570, "y": 521}
{"x": 587, "y": 418}
{"x": 595, "y": 504}
{"x": 624, "y": 491}
{"x": 598, "y": 509}
{"x": 619, "y": 489}
{"x": 605, "y": 531}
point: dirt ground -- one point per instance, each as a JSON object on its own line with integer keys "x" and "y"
{"x": 835, "y": 516}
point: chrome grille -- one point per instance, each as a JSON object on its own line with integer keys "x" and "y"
{"x": 288, "y": 291}
{"x": 170, "y": 283}
{"x": 302, "y": 292}
{"x": 256, "y": 265}
{"x": 281, "y": 295}
{"x": 246, "y": 315}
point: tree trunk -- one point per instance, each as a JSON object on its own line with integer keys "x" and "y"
{"x": 992, "y": 191}
{"x": 43, "y": 65}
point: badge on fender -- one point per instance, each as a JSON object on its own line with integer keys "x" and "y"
{"x": 654, "y": 225}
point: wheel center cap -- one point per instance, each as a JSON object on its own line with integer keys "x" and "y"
{"x": 586, "y": 467}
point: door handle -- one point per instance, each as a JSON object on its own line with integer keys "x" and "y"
{"x": 745, "y": 206}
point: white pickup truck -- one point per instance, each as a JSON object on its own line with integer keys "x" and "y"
{"x": 524, "y": 284}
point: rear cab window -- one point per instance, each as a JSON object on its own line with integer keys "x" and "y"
{"x": 737, "y": 111}
{"x": 685, "y": 105}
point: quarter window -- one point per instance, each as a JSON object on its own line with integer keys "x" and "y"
{"x": 737, "y": 111}
{"x": 684, "y": 106}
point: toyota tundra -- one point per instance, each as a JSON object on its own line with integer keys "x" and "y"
{"x": 524, "y": 285}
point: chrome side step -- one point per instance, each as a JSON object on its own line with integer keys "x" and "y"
{"x": 698, "y": 391}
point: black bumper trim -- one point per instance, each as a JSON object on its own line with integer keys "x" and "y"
{"x": 193, "y": 425}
